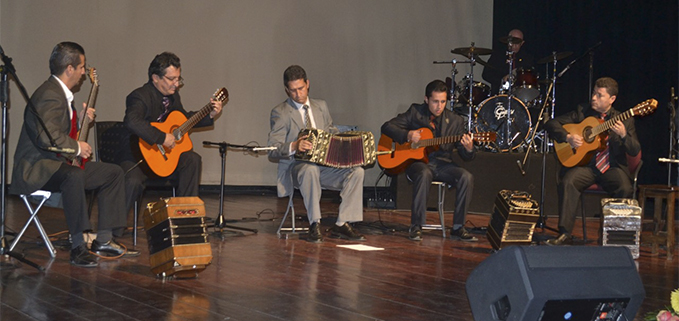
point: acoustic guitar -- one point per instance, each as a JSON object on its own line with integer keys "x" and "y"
{"x": 163, "y": 161}
{"x": 85, "y": 124}
{"x": 394, "y": 158}
{"x": 593, "y": 131}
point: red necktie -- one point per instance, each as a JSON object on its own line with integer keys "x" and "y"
{"x": 431, "y": 122}
{"x": 602, "y": 163}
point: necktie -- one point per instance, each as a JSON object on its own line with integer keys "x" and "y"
{"x": 602, "y": 163}
{"x": 74, "y": 123}
{"x": 307, "y": 119}
{"x": 166, "y": 104}
{"x": 431, "y": 122}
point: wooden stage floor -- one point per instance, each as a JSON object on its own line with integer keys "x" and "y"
{"x": 261, "y": 277}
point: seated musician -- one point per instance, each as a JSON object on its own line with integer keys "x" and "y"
{"x": 35, "y": 167}
{"x": 496, "y": 72}
{"x": 608, "y": 168}
{"x": 406, "y": 127}
{"x": 153, "y": 102}
{"x": 287, "y": 120}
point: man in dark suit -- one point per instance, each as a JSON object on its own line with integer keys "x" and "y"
{"x": 36, "y": 167}
{"x": 406, "y": 127}
{"x": 497, "y": 71}
{"x": 153, "y": 102}
{"x": 608, "y": 167}
{"x": 287, "y": 120}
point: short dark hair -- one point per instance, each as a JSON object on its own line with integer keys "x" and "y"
{"x": 436, "y": 86}
{"x": 162, "y": 62}
{"x": 609, "y": 83}
{"x": 293, "y": 73}
{"x": 63, "y": 55}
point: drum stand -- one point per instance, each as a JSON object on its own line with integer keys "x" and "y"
{"x": 510, "y": 96}
{"x": 220, "y": 222}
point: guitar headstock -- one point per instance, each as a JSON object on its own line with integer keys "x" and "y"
{"x": 645, "y": 108}
{"x": 92, "y": 73}
{"x": 485, "y": 137}
{"x": 221, "y": 95}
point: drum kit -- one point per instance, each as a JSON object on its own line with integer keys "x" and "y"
{"x": 519, "y": 96}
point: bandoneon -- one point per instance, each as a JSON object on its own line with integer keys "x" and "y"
{"x": 621, "y": 224}
{"x": 344, "y": 150}
{"x": 513, "y": 220}
{"x": 177, "y": 236}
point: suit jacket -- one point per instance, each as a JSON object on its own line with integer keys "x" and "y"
{"x": 286, "y": 123}
{"x": 417, "y": 116}
{"x": 34, "y": 166}
{"x": 618, "y": 147}
{"x": 143, "y": 106}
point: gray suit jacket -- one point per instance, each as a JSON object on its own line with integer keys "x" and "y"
{"x": 34, "y": 166}
{"x": 286, "y": 123}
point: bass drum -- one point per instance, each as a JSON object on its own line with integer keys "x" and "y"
{"x": 492, "y": 117}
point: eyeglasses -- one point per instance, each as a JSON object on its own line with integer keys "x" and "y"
{"x": 178, "y": 79}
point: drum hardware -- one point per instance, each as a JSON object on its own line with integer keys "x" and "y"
{"x": 472, "y": 53}
{"x": 492, "y": 116}
{"x": 555, "y": 56}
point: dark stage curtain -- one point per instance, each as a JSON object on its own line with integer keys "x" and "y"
{"x": 639, "y": 41}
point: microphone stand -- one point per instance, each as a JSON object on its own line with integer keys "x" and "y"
{"x": 4, "y": 98}
{"x": 220, "y": 222}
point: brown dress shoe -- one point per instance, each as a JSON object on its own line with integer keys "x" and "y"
{"x": 563, "y": 239}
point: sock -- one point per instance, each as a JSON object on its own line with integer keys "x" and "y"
{"x": 457, "y": 226}
{"x": 339, "y": 223}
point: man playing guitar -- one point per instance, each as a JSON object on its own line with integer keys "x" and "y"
{"x": 407, "y": 127}
{"x": 153, "y": 102}
{"x": 607, "y": 166}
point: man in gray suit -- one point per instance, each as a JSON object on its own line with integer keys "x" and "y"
{"x": 287, "y": 120}
{"x": 43, "y": 164}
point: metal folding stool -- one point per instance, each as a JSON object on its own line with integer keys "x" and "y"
{"x": 44, "y": 196}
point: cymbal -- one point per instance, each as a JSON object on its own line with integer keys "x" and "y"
{"x": 468, "y": 51}
{"x": 559, "y": 56}
{"x": 483, "y": 62}
{"x": 510, "y": 39}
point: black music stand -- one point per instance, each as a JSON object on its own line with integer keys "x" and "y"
{"x": 220, "y": 222}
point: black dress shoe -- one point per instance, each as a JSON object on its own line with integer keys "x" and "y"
{"x": 463, "y": 235}
{"x": 112, "y": 248}
{"x": 315, "y": 235}
{"x": 346, "y": 232}
{"x": 563, "y": 239}
{"x": 82, "y": 257}
{"x": 415, "y": 233}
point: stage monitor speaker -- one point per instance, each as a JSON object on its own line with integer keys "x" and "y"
{"x": 556, "y": 283}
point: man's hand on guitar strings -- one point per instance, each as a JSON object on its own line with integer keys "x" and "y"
{"x": 216, "y": 107}
{"x": 619, "y": 128}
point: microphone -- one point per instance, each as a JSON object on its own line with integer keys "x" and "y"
{"x": 256, "y": 149}
{"x": 518, "y": 162}
{"x": 60, "y": 150}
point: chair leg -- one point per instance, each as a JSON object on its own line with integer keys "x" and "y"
{"x": 135, "y": 224}
{"x": 442, "y": 197}
{"x": 34, "y": 218}
{"x": 290, "y": 210}
{"x": 584, "y": 220}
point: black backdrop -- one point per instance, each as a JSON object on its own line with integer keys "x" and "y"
{"x": 639, "y": 48}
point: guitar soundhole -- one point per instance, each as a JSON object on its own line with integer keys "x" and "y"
{"x": 587, "y": 135}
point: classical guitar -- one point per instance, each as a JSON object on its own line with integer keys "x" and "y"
{"x": 85, "y": 124}
{"x": 593, "y": 130}
{"x": 394, "y": 158}
{"x": 163, "y": 161}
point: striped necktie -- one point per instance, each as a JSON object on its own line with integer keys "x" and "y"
{"x": 307, "y": 119}
{"x": 166, "y": 104}
{"x": 602, "y": 163}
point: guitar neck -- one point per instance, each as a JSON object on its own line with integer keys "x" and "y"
{"x": 189, "y": 123}
{"x": 609, "y": 123}
{"x": 85, "y": 125}
{"x": 439, "y": 141}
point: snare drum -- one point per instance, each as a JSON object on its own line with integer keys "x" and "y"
{"x": 492, "y": 116}
{"x": 526, "y": 85}
{"x": 480, "y": 91}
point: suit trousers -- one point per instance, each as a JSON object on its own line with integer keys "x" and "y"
{"x": 311, "y": 178}
{"x": 186, "y": 177}
{"x": 575, "y": 180}
{"x": 422, "y": 175}
{"x": 73, "y": 182}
